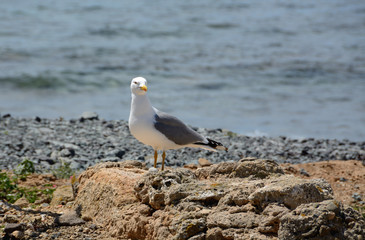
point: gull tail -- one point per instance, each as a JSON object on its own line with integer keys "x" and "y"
{"x": 211, "y": 145}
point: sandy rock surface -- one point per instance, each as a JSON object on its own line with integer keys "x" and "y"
{"x": 226, "y": 203}
{"x": 347, "y": 178}
{"x": 247, "y": 199}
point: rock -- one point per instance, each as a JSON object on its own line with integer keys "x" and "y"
{"x": 67, "y": 152}
{"x": 69, "y": 219}
{"x": 342, "y": 179}
{"x": 37, "y": 119}
{"x": 18, "y": 234}
{"x": 271, "y": 218}
{"x": 11, "y": 227}
{"x": 22, "y": 202}
{"x": 247, "y": 167}
{"x": 10, "y": 218}
{"x": 55, "y": 235}
{"x": 106, "y": 185}
{"x": 191, "y": 166}
{"x": 120, "y": 153}
{"x": 304, "y": 172}
{"x": 62, "y": 195}
{"x": 89, "y": 116}
{"x": 204, "y": 162}
{"x": 151, "y": 188}
{"x": 292, "y": 192}
{"x": 324, "y": 219}
{"x": 250, "y": 199}
{"x": 214, "y": 234}
{"x": 356, "y": 197}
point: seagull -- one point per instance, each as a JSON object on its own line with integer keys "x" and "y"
{"x": 160, "y": 130}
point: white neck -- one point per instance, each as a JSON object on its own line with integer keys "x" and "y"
{"x": 141, "y": 105}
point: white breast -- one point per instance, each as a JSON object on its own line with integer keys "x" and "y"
{"x": 144, "y": 131}
{"x": 141, "y": 125}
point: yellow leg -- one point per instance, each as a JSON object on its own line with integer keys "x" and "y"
{"x": 155, "y": 164}
{"x": 163, "y": 160}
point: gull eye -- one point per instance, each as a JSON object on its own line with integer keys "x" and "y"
{"x": 135, "y": 82}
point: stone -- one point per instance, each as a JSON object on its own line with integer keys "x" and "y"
{"x": 304, "y": 172}
{"x": 323, "y": 219}
{"x": 10, "y": 218}
{"x": 120, "y": 153}
{"x": 105, "y": 185}
{"x": 69, "y": 219}
{"x": 356, "y": 196}
{"x": 22, "y": 202}
{"x": 292, "y": 192}
{"x": 247, "y": 167}
{"x": 249, "y": 199}
{"x": 67, "y": 152}
{"x": 89, "y": 116}
{"x": 62, "y": 195}
{"x": 214, "y": 234}
{"x": 204, "y": 162}
{"x": 18, "y": 234}
{"x": 191, "y": 166}
{"x": 11, "y": 227}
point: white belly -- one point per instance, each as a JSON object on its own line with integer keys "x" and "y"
{"x": 144, "y": 131}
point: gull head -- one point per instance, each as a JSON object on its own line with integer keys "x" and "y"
{"x": 139, "y": 86}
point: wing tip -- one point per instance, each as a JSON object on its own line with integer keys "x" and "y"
{"x": 213, "y": 145}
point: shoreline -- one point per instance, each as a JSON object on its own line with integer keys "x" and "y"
{"x": 88, "y": 140}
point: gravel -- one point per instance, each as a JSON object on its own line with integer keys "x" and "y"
{"x": 89, "y": 140}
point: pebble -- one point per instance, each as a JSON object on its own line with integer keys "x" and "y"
{"x": 304, "y": 172}
{"x": 70, "y": 219}
{"x": 356, "y": 197}
{"x": 204, "y": 162}
{"x": 18, "y": 234}
{"x": 11, "y": 227}
{"x": 84, "y": 143}
{"x": 89, "y": 116}
{"x": 55, "y": 235}
{"x": 9, "y": 218}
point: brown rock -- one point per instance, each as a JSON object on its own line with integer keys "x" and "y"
{"x": 106, "y": 190}
{"x": 18, "y": 234}
{"x": 11, "y": 227}
{"x": 214, "y": 234}
{"x": 247, "y": 167}
{"x": 10, "y": 218}
{"x": 191, "y": 166}
{"x": 315, "y": 220}
{"x": 22, "y": 202}
{"x": 62, "y": 195}
{"x": 292, "y": 192}
{"x": 204, "y": 162}
{"x": 249, "y": 199}
{"x": 336, "y": 173}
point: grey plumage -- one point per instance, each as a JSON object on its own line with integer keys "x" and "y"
{"x": 175, "y": 130}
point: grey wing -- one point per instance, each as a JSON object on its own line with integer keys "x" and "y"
{"x": 175, "y": 130}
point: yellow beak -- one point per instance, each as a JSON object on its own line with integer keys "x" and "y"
{"x": 143, "y": 87}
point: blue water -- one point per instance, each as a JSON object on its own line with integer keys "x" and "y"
{"x": 293, "y": 68}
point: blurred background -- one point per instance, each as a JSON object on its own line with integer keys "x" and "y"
{"x": 292, "y": 68}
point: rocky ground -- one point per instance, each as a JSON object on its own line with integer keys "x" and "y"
{"x": 86, "y": 141}
{"x": 41, "y": 221}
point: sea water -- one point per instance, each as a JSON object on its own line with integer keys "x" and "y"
{"x": 293, "y": 68}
